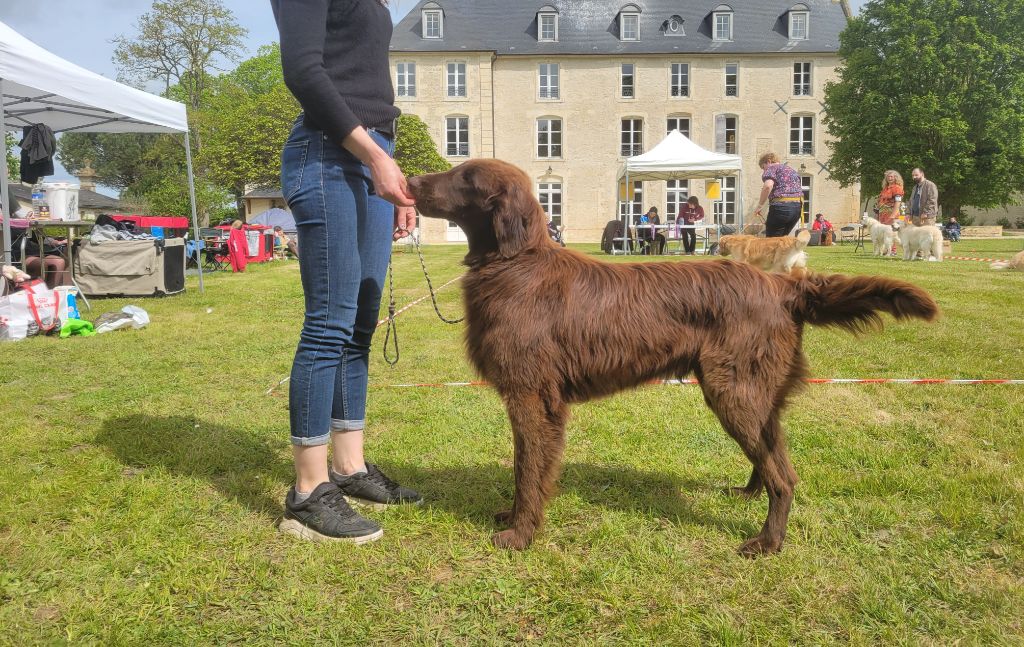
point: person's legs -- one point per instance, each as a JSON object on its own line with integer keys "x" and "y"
{"x": 781, "y": 219}
{"x": 56, "y": 272}
{"x": 689, "y": 240}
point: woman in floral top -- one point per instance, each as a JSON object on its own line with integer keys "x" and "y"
{"x": 890, "y": 198}
{"x": 784, "y": 193}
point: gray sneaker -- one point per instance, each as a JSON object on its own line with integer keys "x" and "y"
{"x": 326, "y": 516}
{"x": 372, "y": 487}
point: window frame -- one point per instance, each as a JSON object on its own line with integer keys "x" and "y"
{"x": 679, "y": 117}
{"x": 675, "y": 196}
{"x": 636, "y": 137}
{"x": 433, "y": 13}
{"x": 722, "y": 145}
{"x": 457, "y": 143}
{"x": 632, "y": 208}
{"x": 802, "y": 145}
{"x": 728, "y": 16}
{"x": 541, "y": 16}
{"x": 406, "y": 74}
{"x": 557, "y": 94}
{"x": 633, "y": 16}
{"x": 806, "y": 79}
{"x": 807, "y": 187}
{"x": 718, "y": 208}
{"x": 683, "y": 89}
{"x": 547, "y": 189}
{"x": 465, "y": 80}
{"x": 551, "y": 120}
{"x": 806, "y": 15}
{"x": 736, "y": 80}
{"x": 622, "y": 81}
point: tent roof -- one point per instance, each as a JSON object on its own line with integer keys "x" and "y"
{"x": 40, "y": 87}
{"x": 678, "y": 158}
{"x": 275, "y": 217}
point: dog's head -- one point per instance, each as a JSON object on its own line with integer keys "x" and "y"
{"x": 490, "y": 200}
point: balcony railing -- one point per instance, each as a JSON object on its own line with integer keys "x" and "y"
{"x": 801, "y": 149}
{"x": 732, "y": 91}
{"x": 549, "y": 93}
{"x": 802, "y": 90}
{"x": 629, "y": 150}
{"x": 680, "y": 90}
{"x": 627, "y": 91}
{"x": 458, "y": 150}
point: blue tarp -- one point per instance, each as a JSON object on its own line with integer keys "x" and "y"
{"x": 276, "y": 218}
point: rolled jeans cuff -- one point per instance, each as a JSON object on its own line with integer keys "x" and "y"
{"x": 311, "y": 441}
{"x": 347, "y": 425}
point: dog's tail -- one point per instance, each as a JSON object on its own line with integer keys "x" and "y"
{"x": 803, "y": 237}
{"x": 854, "y": 302}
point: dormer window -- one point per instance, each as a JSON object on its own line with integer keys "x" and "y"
{"x": 673, "y": 27}
{"x": 547, "y": 25}
{"x": 722, "y": 22}
{"x": 433, "y": 20}
{"x": 629, "y": 22}
{"x": 799, "y": 22}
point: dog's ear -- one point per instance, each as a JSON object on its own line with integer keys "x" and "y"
{"x": 510, "y": 211}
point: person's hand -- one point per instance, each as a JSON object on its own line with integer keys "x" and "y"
{"x": 757, "y": 212}
{"x": 405, "y": 222}
{"x": 389, "y": 183}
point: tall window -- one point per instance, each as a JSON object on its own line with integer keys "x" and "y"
{"x": 725, "y": 207}
{"x": 726, "y": 134}
{"x": 628, "y": 80}
{"x": 682, "y": 124}
{"x": 548, "y": 81}
{"x": 456, "y": 79}
{"x": 633, "y": 208}
{"x": 630, "y": 26}
{"x": 680, "y": 80}
{"x": 723, "y": 25}
{"x": 406, "y": 85}
{"x": 550, "y": 196}
{"x": 732, "y": 80}
{"x": 802, "y": 79}
{"x": 432, "y": 24}
{"x": 798, "y": 23}
{"x": 548, "y": 27}
{"x": 676, "y": 194}
{"x": 549, "y": 137}
{"x": 632, "y": 137}
{"x": 456, "y": 140}
{"x": 801, "y": 135}
{"x": 805, "y": 182}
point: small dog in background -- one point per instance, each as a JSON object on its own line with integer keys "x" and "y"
{"x": 1015, "y": 263}
{"x": 882, "y": 236}
{"x": 769, "y": 254}
{"x": 925, "y": 240}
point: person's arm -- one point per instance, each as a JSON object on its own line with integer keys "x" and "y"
{"x": 303, "y": 27}
{"x": 930, "y": 201}
{"x": 766, "y": 190}
{"x": 700, "y": 215}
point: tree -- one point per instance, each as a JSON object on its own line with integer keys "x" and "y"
{"x": 415, "y": 151}
{"x": 245, "y": 122}
{"x": 180, "y": 42}
{"x": 13, "y": 163}
{"x": 937, "y": 84}
{"x": 121, "y": 160}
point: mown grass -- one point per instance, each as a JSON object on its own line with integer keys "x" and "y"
{"x": 144, "y": 471}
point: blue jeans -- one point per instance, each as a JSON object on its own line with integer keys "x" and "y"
{"x": 782, "y": 218}
{"x": 344, "y": 236}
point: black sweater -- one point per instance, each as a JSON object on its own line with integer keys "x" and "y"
{"x": 335, "y": 59}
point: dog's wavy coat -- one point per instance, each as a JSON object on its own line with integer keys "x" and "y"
{"x": 549, "y": 327}
{"x": 769, "y": 254}
{"x": 882, "y": 236}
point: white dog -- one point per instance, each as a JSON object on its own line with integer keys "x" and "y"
{"x": 927, "y": 240}
{"x": 882, "y": 236}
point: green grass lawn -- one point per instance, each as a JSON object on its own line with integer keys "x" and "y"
{"x": 143, "y": 472}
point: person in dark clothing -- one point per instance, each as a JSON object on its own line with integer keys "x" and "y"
{"x": 689, "y": 214}
{"x": 783, "y": 192}
{"x": 349, "y": 200}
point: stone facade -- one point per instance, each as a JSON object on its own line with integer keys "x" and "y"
{"x": 503, "y": 104}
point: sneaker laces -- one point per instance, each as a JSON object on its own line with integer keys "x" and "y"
{"x": 335, "y": 500}
{"x": 374, "y": 475}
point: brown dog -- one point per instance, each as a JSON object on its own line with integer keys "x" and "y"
{"x": 770, "y": 254}
{"x": 549, "y": 327}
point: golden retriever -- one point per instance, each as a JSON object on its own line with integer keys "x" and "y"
{"x": 768, "y": 254}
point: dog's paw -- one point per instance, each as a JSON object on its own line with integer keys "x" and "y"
{"x": 511, "y": 539}
{"x": 503, "y": 518}
{"x": 760, "y": 545}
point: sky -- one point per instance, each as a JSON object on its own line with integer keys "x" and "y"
{"x": 81, "y": 31}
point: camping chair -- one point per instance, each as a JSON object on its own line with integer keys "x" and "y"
{"x": 214, "y": 256}
{"x": 848, "y": 233}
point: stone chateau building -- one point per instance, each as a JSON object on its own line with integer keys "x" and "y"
{"x": 567, "y": 89}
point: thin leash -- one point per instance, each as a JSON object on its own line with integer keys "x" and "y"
{"x": 391, "y": 333}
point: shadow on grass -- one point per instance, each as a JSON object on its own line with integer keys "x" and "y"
{"x": 252, "y": 472}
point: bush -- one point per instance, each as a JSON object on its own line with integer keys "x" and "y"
{"x": 415, "y": 151}
{"x": 1019, "y": 224}
{"x": 1004, "y": 223}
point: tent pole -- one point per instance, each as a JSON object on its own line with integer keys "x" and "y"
{"x": 742, "y": 191}
{"x": 192, "y": 198}
{"x": 629, "y": 214}
{"x": 5, "y": 201}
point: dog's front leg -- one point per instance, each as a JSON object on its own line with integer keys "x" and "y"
{"x": 538, "y": 433}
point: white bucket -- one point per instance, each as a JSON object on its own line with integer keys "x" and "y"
{"x": 63, "y": 200}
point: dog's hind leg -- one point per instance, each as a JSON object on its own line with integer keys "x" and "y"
{"x": 752, "y": 489}
{"x": 538, "y": 431}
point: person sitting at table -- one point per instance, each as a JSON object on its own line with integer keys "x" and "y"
{"x": 56, "y": 267}
{"x": 653, "y": 242}
{"x": 689, "y": 214}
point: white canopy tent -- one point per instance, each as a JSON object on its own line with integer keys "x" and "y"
{"x": 678, "y": 158}
{"x": 38, "y": 87}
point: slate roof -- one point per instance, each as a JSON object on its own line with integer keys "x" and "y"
{"x": 509, "y": 27}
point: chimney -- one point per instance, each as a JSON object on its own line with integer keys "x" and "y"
{"x": 87, "y": 177}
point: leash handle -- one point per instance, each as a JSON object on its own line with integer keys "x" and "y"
{"x": 392, "y": 329}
